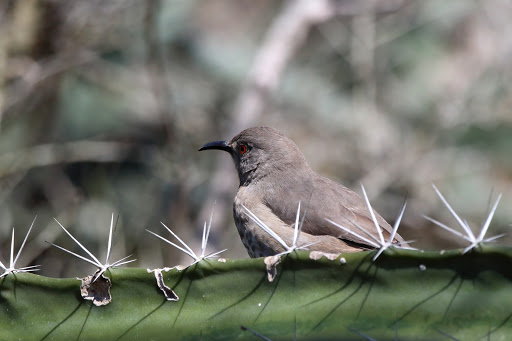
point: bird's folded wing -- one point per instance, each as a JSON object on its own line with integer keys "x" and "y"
{"x": 344, "y": 207}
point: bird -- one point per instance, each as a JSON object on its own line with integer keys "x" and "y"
{"x": 274, "y": 177}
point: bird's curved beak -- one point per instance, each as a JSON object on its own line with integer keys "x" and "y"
{"x": 220, "y": 145}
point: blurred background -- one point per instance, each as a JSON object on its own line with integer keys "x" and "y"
{"x": 103, "y": 106}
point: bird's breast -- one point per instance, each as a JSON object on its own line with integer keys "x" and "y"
{"x": 257, "y": 242}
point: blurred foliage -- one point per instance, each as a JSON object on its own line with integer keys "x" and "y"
{"x": 397, "y": 99}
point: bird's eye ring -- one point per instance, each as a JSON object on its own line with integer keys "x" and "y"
{"x": 242, "y": 148}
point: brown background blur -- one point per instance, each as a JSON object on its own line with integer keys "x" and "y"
{"x": 103, "y": 105}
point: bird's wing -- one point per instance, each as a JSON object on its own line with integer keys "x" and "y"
{"x": 251, "y": 213}
{"x": 330, "y": 200}
{"x": 321, "y": 200}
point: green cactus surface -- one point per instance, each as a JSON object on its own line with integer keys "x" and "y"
{"x": 403, "y": 295}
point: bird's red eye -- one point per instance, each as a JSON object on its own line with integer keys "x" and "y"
{"x": 242, "y": 148}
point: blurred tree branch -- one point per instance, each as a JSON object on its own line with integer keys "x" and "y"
{"x": 51, "y": 154}
{"x": 39, "y": 71}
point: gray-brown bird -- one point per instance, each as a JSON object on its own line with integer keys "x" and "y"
{"x": 274, "y": 178}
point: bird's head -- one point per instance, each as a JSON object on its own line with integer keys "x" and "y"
{"x": 261, "y": 151}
